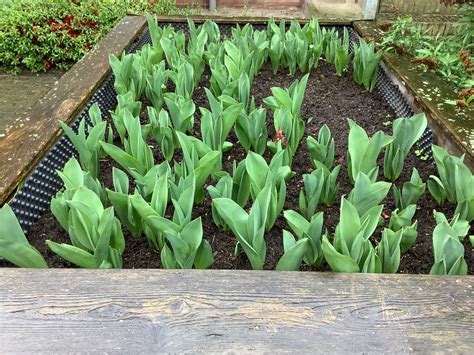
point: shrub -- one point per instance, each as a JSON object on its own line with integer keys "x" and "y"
{"x": 40, "y": 35}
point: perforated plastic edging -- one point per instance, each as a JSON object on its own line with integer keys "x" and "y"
{"x": 34, "y": 197}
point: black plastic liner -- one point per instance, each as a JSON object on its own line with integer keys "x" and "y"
{"x": 34, "y": 197}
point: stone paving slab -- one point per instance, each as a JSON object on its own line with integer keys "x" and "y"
{"x": 19, "y": 93}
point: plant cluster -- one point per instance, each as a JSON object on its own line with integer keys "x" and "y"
{"x": 40, "y": 35}
{"x": 156, "y": 200}
{"x": 450, "y": 56}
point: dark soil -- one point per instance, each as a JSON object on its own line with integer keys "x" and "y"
{"x": 328, "y": 100}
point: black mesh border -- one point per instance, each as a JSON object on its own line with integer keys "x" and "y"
{"x": 34, "y": 197}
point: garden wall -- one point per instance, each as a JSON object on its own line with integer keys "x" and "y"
{"x": 433, "y": 14}
{"x": 241, "y": 3}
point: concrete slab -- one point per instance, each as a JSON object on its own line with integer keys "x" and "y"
{"x": 280, "y": 12}
{"x": 322, "y": 9}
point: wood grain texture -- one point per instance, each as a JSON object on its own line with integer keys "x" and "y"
{"x": 144, "y": 311}
{"x": 24, "y": 147}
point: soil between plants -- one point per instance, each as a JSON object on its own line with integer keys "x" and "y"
{"x": 330, "y": 100}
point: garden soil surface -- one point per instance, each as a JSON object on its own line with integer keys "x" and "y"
{"x": 330, "y": 100}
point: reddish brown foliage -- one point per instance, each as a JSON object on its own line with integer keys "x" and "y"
{"x": 279, "y": 136}
{"x": 464, "y": 94}
{"x": 399, "y": 49}
{"x": 467, "y": 61}
{"x": 462, "y": 103}
{"x": 385, "y": 26}
{"x": 429, "y": 62}
{"x": 47, "y": 64}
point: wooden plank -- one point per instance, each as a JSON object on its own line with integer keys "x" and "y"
{"x": 453, "y": 128}
{"x": 24, "y": 147}
{"x": 173, "y": 311}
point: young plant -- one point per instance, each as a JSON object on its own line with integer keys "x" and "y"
{"x": 181, "y": 111}
{"x": 252, "y": 131}
{"x": 406, "y": 131}
{"x": 223, "y": 189}
{"x": 87, "y": 144}
{"x": 312, "y": 231}
{"x": 330, "y": 184}
{"x": 294, "y": 252}
{"x": 148, "y": 57}
{"x": 248, "y": 228}
{"x": 121, "y": 202}
{"x": 136, "y": 155}
{"x": 303, "y": 56}
{"x": 367, "y": 194}
{"x": 366, "y": 64}
{"x": 276, "y": 35}
{"x": 130, "y": 75}
{"x": 173, "y": 45}
{"x": 272, "y": 176}
{"x": 126, "y": 103}
{"x": 156, "y": 85}
{"x": 316, "y": 40}
{"x": 14, "y": 246}
{"x": 220, "y": 82}
{"x": 96, "y": 236}
{"x": 322, "y": 149}
{"x": 402, "y": 218}
{"x": 236, "y": 187}
{"x": 217, "y": 123}
{"x": 289, "y": 131}
{"x": 364, "y": 151}
{"x": 290, "y": 98}
{"x": 460, "y": 228}
{"x": 402, "y": 221}
{"x": 330, "y": 43}
{"x": 180, "y": 240}
{"x": 236, "y": 62}
{"x": 410, "y": 192}
{"x": 73, "y": 177}
{"x": 199, "y": 160}
{"x": 145, "y": 184}
{"x": 448, "y": 251}
{"x": 309, "y": 196}
{"x": 342, "y": 55}
{"x": 197, "y": 43}
{"x": 388, "y": 250}
{"x": 183, "y": 79}
{"x": 455, "y": 183}
{"x": 186, "y": 247}
{"x": 163, "y": 132}
{"x": 352, "y": 250}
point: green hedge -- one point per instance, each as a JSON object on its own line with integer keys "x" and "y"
{"x": 40, "y": 35}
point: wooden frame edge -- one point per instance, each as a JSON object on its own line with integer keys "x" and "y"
{"x": 21, "y": 150}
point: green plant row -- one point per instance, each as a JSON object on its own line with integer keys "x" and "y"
{"x": 156, "y": 200}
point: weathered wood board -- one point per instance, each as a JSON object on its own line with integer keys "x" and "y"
{"x": 149, "y": 311}
{"x": 24, "y": 147}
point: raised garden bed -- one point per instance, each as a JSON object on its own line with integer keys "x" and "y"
{"x": 330, "y": 100}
